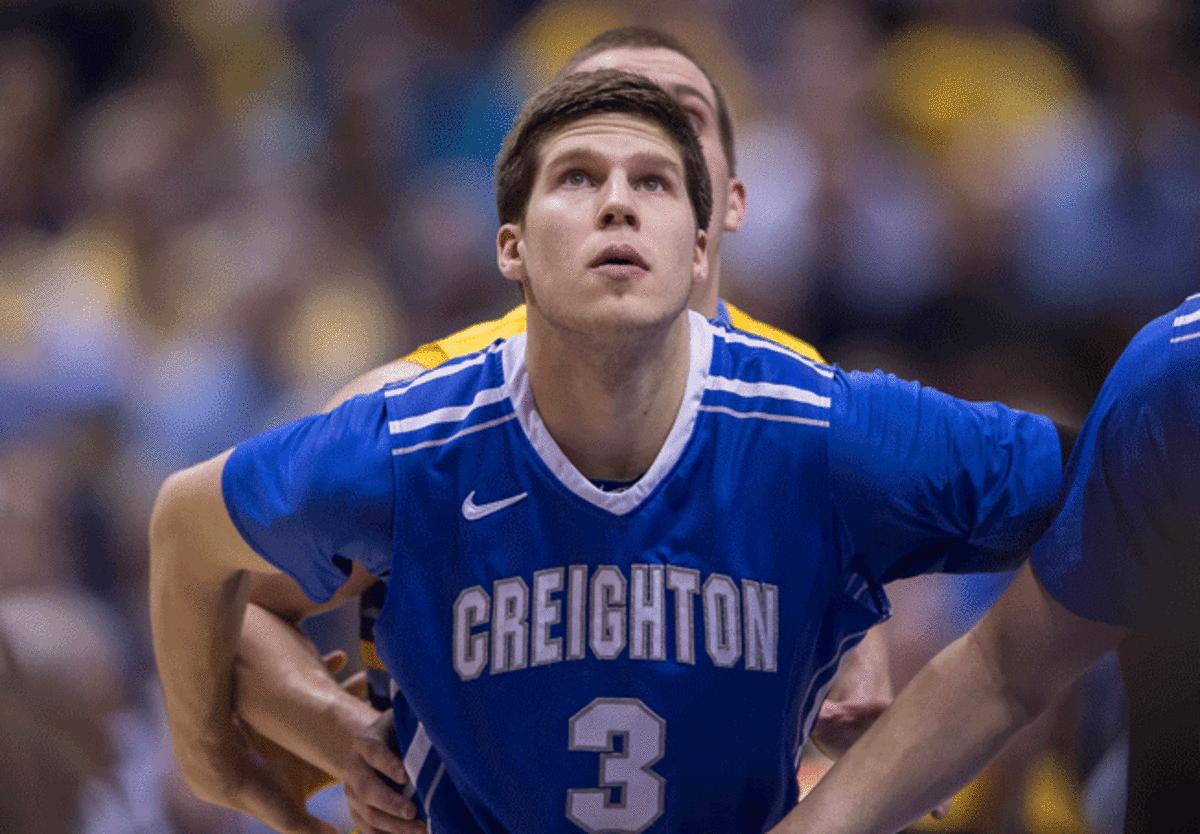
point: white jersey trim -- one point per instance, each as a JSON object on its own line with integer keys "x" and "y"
{"x": 415, "y": 756}
{"x": 810, "y": 718}
{"x": 516, "y": 376}
{"x": 429, "y": 444}
{"x": 1181, "y": 321}
{"x": 433, "y": 786}
{"x": 442, "y": 371}
{"x": 763, "y": 415}
{"x": 1186, "y": 338}
{"x": 770, "y": 390}
{"x": 449, "y": 414}
{"x": 753, "y": 341}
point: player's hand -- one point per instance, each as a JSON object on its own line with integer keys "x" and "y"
{"x": 841, "y": 723}
{"x": 374, "y": 805}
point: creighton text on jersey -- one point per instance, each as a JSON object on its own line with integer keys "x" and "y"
{"x": 607, "y": 613}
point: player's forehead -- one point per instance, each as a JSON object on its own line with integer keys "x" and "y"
{"x": 611, "y": 138}
{"x": 667, "y": 68}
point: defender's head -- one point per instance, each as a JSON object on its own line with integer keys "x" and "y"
{"x": 675, "y": 68}
{"x": 671, "y": 65}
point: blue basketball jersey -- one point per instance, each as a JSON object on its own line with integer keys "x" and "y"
{"x": 651, "y": 658}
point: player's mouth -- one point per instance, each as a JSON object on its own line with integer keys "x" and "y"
{"x": 620, "y": 260}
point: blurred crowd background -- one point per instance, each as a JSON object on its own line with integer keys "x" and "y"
{"x": 214, "y": 213}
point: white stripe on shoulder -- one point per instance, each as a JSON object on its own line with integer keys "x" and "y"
{"x": 742, "y": 388}
{"x": 445, "y": 370}
{"x": 1186, "y": 338}
{"x": 762, "y": 415}
{"x": 1192, "y": 297}
{"x": 1180, "y": 321}
{"x": 449, "y": 414}
{"x": 429, "y": 444}
{"x": 765, "y": 344}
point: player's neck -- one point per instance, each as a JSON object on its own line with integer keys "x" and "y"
{"x": 609, "y": 402}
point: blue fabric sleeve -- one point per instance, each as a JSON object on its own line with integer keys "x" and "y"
{"x": 1133, "y": 488}
{"x": 314, "y": 494}
{"x": 923, "y": 482}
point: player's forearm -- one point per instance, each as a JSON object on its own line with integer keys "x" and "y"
{"x": 286, "y": 693}
{"x": 195, "y": 616}
{"x": 915, "y": 756}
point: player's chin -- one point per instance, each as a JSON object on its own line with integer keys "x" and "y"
{"x": 629, "y": 313}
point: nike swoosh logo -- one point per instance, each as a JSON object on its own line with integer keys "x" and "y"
{"x": 473, "y": 512}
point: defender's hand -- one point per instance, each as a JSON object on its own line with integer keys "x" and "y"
{"x": 841, "y": 723}
{"x": 231, "y": 773}
{"x": 375, "y": 805}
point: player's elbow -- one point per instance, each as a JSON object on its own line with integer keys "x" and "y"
{"x": 1026, "y": 700}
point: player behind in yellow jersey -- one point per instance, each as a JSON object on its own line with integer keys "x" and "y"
{"x": 288, "y": 695}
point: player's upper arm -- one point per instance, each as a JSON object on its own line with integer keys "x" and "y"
{"x": 190, "y": 511}
{"x": 280, "y": 593}
{"x": 313, "y": 495}
{"x": 926, "y": 482}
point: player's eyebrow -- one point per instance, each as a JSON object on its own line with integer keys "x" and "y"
{"x": 652, "y": 159}
{"x": 585, "y": 156}
{"x": 681, "y": 90}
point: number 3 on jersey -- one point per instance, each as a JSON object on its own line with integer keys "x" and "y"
{"x": 640, "y": 790}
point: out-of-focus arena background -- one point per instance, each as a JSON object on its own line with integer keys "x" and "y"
{"x": 214, "y": 213}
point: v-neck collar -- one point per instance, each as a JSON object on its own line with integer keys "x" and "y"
{"x": 516, "y": 380}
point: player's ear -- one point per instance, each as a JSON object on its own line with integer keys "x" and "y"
{"x": 735, "y": 205}
{"x": 700, "y": 258}
{"x": 510, "y": 252}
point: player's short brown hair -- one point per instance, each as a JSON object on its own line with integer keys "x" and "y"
{"x": 643, "y": 37}
{"x": 573, "y": 97}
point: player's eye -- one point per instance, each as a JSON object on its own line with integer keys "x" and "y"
{"x": 696, "y": 119}
{"x": 652, "y": 184}
{"x": 576, "y": 179}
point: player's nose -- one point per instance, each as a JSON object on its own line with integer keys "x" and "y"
{"x": 617, "y": 204}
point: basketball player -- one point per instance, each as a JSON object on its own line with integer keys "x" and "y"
{"x": 1120, "y": 565}
{"x": 599, "y": 650}
{"x": 283, "y": 688}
